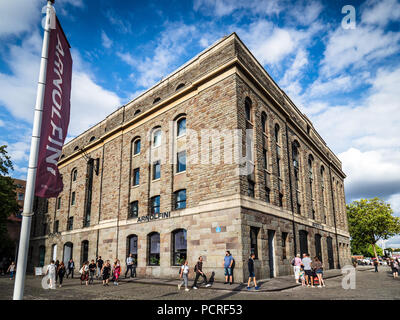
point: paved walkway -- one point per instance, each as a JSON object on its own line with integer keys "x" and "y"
{"x": 266, "y": 285}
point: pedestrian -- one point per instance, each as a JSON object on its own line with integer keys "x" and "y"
{"x": 252, "y": 275}
{"x": 11, "y": 269}
{"x": 228, "y": 262}
{"x": 129, "y": 265}
{"x": 184, "y": 276}
{"x": 84, "y": 271}
{"x": 376, "y": 263}
{"x": 51, "y": 271}
{"x": 57, "y": 264}
{"x": 71, "y": 267}
{"x": 296, "y": 263}
{"x": 61, "y": 272}
{"x": 395, "y": 268}
{"x": 99, "y": 263}
{"x": 302, "y": 276}
{"x": 306, "y": 262}
{"x": 105, "y": 271}
{"x": 317, "y": 267}
{"x": 198, "y": 269}
{"x": 92, "y": 271}
{"x": 116, "y": 271}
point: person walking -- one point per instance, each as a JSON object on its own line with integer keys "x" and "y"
{"x": 376, "y": 263}
{"x": 105, "y": 271}
{"x": 198, "y": 269}
{"x": 71, "y": 267}
{"x": 129, "y": 265}
{"x": 51, "y": 272}
{"x": 228, "y": 262}
{"x": 395, "y": 268}
{"x": 317, "y": 267}
{"x": 306, "y": 262}
{"x": 61, "y": 272}
{"x": 296, "y": 263}
{"x": 57, "y": 264}
{"x": 184, "y": 276}
{"x": 116, "y": 271}
{"x": 92, "y": 271}
{"x": 11, "y": 269}
{"x": 84, "y": 271}
{"x": 99, "y": 263}
{"x": 252, "y": 274}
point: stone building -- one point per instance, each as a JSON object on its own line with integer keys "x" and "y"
{"x": 138, "y": 182}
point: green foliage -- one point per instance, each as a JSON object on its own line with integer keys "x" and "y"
{"x": 370, "y": 251}
{"x": 369, "y": 221}
{"x": 8, "y": 202}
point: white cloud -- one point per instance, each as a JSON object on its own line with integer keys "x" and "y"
{"x": 394, "y": 201}
{"x": 122, "y": 24}
{"x": 105, "y": 40}
{"x": 2, "y": 123}
{"x": 343, "y": 83}
{"x": 380, "y": 12}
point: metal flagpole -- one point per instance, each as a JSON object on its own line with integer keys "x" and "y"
{"x": 33, "y": 159}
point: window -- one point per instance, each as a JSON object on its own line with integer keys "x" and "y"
{"x": 181, "y": 127}
{"x": 253, "y": 241}
{"x": 284, "y": 238}
{"x": 322, "y": 171}
{"x": 76, "y": 148}
{"x": 133, "y": 209}
{"x": 180, "y": 199}
{"x": 280, "y": 199}
{"x": 44, "y": 229}
{"x": 85, "y": 251}
{"x": 247, "y": 106}
{"x": 136, "y": 112}
{"x": 264, "y": 122}
{"x": 181, "y": 166}
{"x": 155, "y": 204}
{"x": 276, "y": 133}
{"x": 156, "y": 170}
{"x": 74, "y": 174}
{"x": 181, "y": 85}
{"x": 20, "y": 196}
{"x": 156, "y": 138}
{"x": 70, "y": 223}
{"x": 73, "y": 198}
{"x": 153, "y": 241}
{"x": 250, "y": 188}
{"x": 136, "y": 147}
{"x": 265, "y": 158}
{"x": 92, "y": 139}
{"x": 136, "y": 176}
{"x": 310, "y": 176}
{"x": 56, "y": 223}
{"x": 42, "y": 254}
{"x": 156, "y": 100}
{"x": 179, "y": 247}
{"x": 59, "y": 203}
{"x": 132, "y": 246}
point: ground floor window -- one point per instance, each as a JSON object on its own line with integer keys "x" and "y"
{"x": 132, "y": 247}
{"x": 253, "y": 241}
{"x": 42, "y": 252}
{"x": 85, "y": 251}
{"x": 153, "y": 249}
{"x": 179, "y": 244}
{"x": 284, "y": 242}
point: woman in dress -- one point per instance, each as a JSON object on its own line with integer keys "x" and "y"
{"x": 105, "y": 271}
{"x": 85, "y": 273}
{"x": 116, "y": 271}
{"x": 61, "y": 272}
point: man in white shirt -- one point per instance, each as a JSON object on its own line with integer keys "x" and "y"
{"x": 129, "y": 265}
{"x": 51, "y": 271}
{"x": 306, "y": 262}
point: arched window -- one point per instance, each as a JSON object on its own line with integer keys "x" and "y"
{"x": 157, "y": 138}
{"x": 310, "y": 166}
{"x": 296, "y": 168}
{"x": 92, "y": 138}
{"x": 68, "y": 249}
{"x": 181, "y": 85}
{"x": 74, "y": 174}
{"x": 153, "y": 245}
{"x": 247, "y": 107}
{"x": 277, "y": 133}
{"x": 136, "y": 146}
{"x": 264, "y": 122}
{"x": 136, "y": 112}
{"x": 310, "y": 177}
{"x": 132, "y": 247}
{"x": 85, "y": 251}
{"x": 156, "y": 100}
{"x": 179, "y": 247}
{"x": 322, "y": 173}
{"x": 76, "y": 148}
{"x": 181, "y": 127}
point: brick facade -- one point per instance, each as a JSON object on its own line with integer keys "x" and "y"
{"x": 210, "y": 92}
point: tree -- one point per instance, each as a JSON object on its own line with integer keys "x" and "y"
{"x": 371, "y": 220}
{"x": 8, "y": 202}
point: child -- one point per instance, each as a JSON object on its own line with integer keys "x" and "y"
{"x": 302, "y": 277}
{"x": 11, "y": 269}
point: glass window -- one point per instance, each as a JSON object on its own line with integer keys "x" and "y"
{"x": 155, "y": 204}
{"x": 180, "y": 199}
{"x": 134, "y": 209}
{"x": 181, "y": 166}
{"x": 284, "y": 238}
{"x": 73, "y": 198}
{"x": 136, "y": 147}
{"x": 253, "y": 241}
{"x": 20, "y": 196}
{"x": 181, "y": 126}
{"x": 264, "y": 122}
{"x": 156, "y": 170}
{"x": 265, "y": 156}
{"x": 179, "y": 243}
{"x": 250, "y": 189}
{"x": 156, "y": 138}
{"x": 85, "y": 251}
{"x": 74, "y": 175}
{"x": 70, "y": 223}
{"x": 154, "y": 249}
{"x": 247, "y": 105}
{"x": 136, "y": 176}
{"x": 277, "y": 133}
{"x": 267, "y": 195}
{"x": 59, "y": 203}
{"x": 280, "y": 199}
{"x": 133, "y": 247}
{"x": 56, "y": 223}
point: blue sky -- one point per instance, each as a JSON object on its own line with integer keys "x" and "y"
{"x": 345, "y": 80}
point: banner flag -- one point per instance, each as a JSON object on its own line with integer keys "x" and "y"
{"x": 55, "y": 118}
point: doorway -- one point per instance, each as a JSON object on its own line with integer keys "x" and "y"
{"x": 68, "y": 246}
{"x": 303, "y": 242}
{"x": 318, "y": 250}
{"x": 329, "y": 246}
{"x": 271, "y": 253}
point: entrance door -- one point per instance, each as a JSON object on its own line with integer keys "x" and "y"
{"x": 330, "y": 252}
{"x": 271, "y": 253}
{"x": 303, "y": 242}
{"x": 318, "y": 251}
{"x": 67, "y": 252}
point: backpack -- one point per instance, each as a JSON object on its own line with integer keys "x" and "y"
{"x": 293, "y": 260}
{"x": 195, "y": 268}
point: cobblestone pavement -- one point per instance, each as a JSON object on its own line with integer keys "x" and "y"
{"x": 369, "y": 285}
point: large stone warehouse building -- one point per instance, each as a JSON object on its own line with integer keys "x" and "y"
{"x": 138, "y": 182}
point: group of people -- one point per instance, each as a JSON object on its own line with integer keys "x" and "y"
{"x": 307, "y": 269}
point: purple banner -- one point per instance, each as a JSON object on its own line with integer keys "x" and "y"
{"x": 55, "y": 117}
